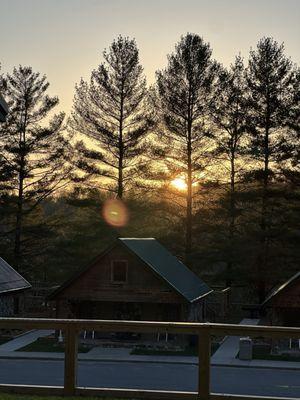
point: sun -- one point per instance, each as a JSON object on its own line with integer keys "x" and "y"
{"x": 179, "y": 183}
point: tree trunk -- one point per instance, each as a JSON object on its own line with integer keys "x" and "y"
{"x": 232, "y": 218}
{"x": 120, "y": 175}
{"x": 189, "y": 199}
{"x": 262, "y": 264}
{"x": 121, "y": 147}
{"x": 19, "y": 214}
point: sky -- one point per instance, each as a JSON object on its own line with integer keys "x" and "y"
{"x": 64, "y": 39}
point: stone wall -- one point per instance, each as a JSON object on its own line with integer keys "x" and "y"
{"x": 12, "y": 305}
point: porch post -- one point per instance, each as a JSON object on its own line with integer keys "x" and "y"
{"x": 204, "y": 364}
{"x": 71, "y": 348}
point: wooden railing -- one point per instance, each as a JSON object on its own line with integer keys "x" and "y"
{"x": 71, "y": 329}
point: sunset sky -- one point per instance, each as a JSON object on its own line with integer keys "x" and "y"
{"x": 65, "y": 38}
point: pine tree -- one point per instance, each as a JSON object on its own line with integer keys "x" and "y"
{"x": 270, "y": 77}
{"x": 5, "y": 187}
{"x": 293, "y": 126}
{"x": 35, "y": 151}
{"x": 110, "y": 111}
{"x": 229, "y": 112}
{"x": 184, "y": 88}
{"x": 5, "y": 170}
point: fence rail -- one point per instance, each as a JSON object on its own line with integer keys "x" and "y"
{"x": 71, "y": 329}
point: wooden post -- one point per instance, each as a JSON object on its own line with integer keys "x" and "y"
{"x": 71, "y": 349}
{"x": 204, "y": 364}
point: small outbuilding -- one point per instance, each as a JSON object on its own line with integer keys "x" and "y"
{"x": 134, "y": 279}
{"x": 12, "y": 288}
{"x": 282, "y": 306}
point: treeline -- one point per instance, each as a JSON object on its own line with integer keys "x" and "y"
{"x": 230, "y": 137}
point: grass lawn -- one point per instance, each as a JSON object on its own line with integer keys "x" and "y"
{"x": 188, "y": 351}
{"x": 263, "y": 353}
{"x": 51, "y": 345}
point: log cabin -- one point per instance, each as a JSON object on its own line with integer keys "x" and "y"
{"x": 12, "y": 288}
{"x": 133, "y": 279}
{"x": 282, "y": 306}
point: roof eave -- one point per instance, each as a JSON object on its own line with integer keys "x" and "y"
{"x": 15, "y": 289}
{"x": 280, "y": 289}
{"x": 201, "y": 297}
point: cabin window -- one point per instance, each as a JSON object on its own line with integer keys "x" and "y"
{"x": 119, "y": 271}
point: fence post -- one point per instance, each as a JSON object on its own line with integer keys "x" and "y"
{"x": 204, "y": 363}
{"x": 71, "y": 348}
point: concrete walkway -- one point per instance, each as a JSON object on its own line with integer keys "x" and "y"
{"x": 23, "y": 340}
{"x": 229, "y": 349}
{"x": 226, "y": 355}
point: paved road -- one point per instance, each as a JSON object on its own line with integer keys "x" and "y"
{"x": 267, "y": 382}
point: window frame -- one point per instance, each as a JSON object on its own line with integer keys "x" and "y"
{"x": 112, "y": 270}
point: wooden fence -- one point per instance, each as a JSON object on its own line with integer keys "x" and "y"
{"x": 71, "y": 329}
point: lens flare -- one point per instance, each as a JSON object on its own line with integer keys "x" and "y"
{"x": 115, "y": 213}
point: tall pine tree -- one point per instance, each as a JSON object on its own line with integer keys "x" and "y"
{"x": 229, "y": 112}
{"x": 270, "y": 77}
{"x": 35, "y": 153}
{"x": 5, "y": 169}
{"x": 110, "y": 111}
{"x": 184, "y": 88}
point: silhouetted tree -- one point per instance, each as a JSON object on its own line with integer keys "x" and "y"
{"x": 229, "y": 112}
{"x": 184, "y": 88}
{"x": 270, "y": 77}
{"x": 292, "y": 152}
{"x": 5, "y": 170}
{"x": 110, "y": 111}
{"x": 33, "y": 147}
{"x": 5, "y": 187}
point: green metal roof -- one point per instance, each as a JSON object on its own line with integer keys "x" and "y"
{"x": 10, "y": 279}
{"x": 281, "y": 288}
{"x": 173, "y": 271}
